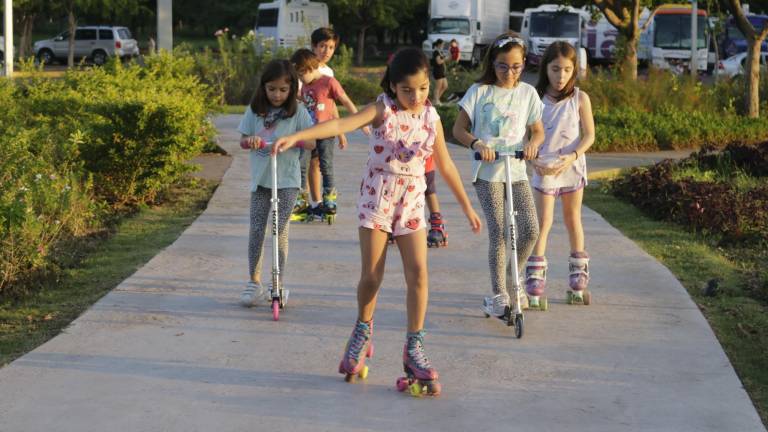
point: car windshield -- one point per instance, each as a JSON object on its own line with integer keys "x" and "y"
{"x": 674, "y": 31}
{"x": 124, "y": 33}
{"x": 449, "y": 26}
{"x": 554, "y": 24}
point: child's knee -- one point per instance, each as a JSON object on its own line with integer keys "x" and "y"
{"x": 371, "y": 279}
{"x": 417, "y": 275}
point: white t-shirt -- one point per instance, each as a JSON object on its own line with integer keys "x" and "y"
{"x": 500, "y": 118}
{"x": 326, "y": 70}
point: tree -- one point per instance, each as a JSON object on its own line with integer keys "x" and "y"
{"x": 26, "y": 13}
{"x": 625, "y": 16}
{"x": 362, "y": 15}
{"x": 754, "y": 42}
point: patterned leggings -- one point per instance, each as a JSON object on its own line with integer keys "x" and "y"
{"x": 491, "y": 196}
{"x": 260, "y": 206}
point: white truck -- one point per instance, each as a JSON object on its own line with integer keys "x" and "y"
{"x": 473, "y": 23}
{"x": 666, "y": 43}
{"x": 289, "y": 23}
{"x": 548, "y": 23}
{"x": 599, "y": 38}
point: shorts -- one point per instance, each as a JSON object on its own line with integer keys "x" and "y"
{"x": 559, "y": 191}
{"x": 392, "y": 203}
{"x": 430, "y": 179}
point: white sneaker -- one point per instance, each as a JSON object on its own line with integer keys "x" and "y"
{"x": 496, "y": 305}
{"x": 253, "y": 293}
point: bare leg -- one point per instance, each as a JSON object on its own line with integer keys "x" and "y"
{"x": 315, "y": 180}
{"x": 413, "y": 251}
{"x": 373, "y": 254}
{"x": 572, "y": 219}
{"x": 432, "y": 203}
{"x": 545, "y": 207}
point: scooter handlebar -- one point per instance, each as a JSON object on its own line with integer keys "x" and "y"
{"x": 517, "y": 154}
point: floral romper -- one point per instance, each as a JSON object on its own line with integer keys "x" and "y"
{"x": 392, "y": 191}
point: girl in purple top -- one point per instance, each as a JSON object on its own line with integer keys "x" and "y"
{"x": 561, "y": 168}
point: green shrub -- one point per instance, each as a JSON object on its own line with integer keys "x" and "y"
{"x": 448, "y": 113}
{"x": 663, "y": 111}
{"x": 715, "y": 193}
{"x": 360, "y": 91}
{"x": 77, "y": 150}
{"x": 232, "y": 72}
{"x": 41, "y": 203}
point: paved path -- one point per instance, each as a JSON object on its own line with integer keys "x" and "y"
{"x": 170, "y": 349}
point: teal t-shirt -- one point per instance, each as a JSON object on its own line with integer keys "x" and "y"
{"x": 288, "y": 173}
{"x": 500, "y": 118}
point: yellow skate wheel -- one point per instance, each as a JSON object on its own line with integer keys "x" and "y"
{"x": 543, "y": 303}
{"x": 363, "y": 373}
{"x": 587, "y": 298}
{"x": 415, "y": 389}
{"x": 569, "y": 297}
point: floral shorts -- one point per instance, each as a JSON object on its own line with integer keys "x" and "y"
{"x": 392, "y": 203}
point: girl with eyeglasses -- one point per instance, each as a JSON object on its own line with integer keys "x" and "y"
{"x": 500, "y": 112}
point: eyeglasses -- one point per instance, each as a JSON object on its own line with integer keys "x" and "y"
{"x": 504, "y": 68}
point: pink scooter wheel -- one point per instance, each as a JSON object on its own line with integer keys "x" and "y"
{"x": 275, "y": 309}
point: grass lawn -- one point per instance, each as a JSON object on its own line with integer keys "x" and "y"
{"x": 28, "y": 323}
{"x": 739, "y": 320}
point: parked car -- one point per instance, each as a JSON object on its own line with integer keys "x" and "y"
{"x": 734, "y": 65}
{"x": 95, "y": 43}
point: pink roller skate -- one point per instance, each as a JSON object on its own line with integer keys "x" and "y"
{"x": 536, "y": 281}
{"x": 359, "y": 347}
{"x": 421, "y": 377}
{"x": 578, "y": 264}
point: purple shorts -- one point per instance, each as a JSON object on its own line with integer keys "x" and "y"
{"x": 556, "y": 192}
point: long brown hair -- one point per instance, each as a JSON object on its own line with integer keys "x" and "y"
{"x": 275, "y": 70}
{"x": 503, "y": 43}
{"x": 555, "y": 50}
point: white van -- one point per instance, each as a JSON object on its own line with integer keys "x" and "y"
{"x": 290, "y": 23}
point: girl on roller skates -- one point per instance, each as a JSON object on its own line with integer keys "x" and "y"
{"x": 406, "y": 131}
{"x": 561, "y": 169}
{"x": 273, "y": 112}
{"x": 500, "y": 110}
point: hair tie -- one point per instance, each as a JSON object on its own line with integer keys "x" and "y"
{"x": 509, "y": 40}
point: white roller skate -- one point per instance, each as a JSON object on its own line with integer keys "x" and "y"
{"x": 578, "y": 279}
{"x": 535, "y": 282}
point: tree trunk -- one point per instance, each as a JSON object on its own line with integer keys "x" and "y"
{"x": 752, "y": 81}
{"x": 629, "y": 64}
{"x": 25, "y": 44}
{"x": 72, "y": 28}
{"x": 360, "y": 46}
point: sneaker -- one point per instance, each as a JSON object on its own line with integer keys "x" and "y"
{"x": 252, "y": 294}
{"x": 497, "y": 305}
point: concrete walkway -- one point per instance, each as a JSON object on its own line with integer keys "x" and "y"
{"x": 170, "y": 349}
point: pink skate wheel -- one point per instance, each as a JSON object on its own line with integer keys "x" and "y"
{"x": 370, "y": 350}
{"x": 402, "y": 384}
{"x": 275, "y": 309}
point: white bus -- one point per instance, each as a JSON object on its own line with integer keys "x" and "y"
{"x": 290, "y": 22}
